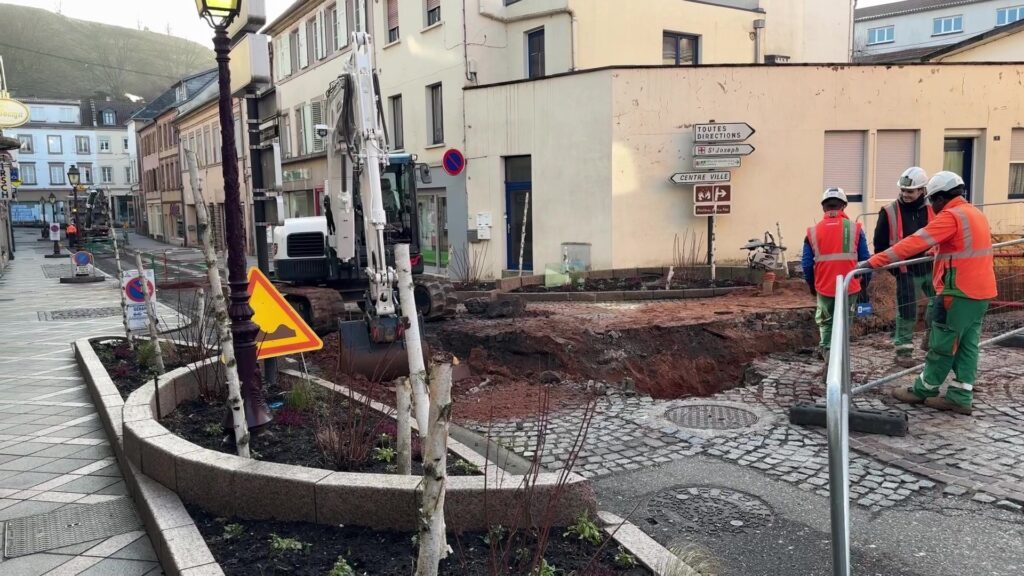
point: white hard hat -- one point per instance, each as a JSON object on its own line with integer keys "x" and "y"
{"x": 836, "y": 193}
{"x": 913, "y": 177}
{"x": 943, "y": 182}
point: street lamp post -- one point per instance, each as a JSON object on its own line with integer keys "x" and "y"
{"x": 219, "y": 14}
{"x": 53, "y": 209}
{"x": 74, "y": 178}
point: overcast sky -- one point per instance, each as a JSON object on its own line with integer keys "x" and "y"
{"x": 180, "y": 15}
{"x": 156, "y": 15}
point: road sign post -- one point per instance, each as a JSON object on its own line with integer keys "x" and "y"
{"x": 713, "y": 162}
{"x": 722, "y": 132}
{"x": 135, "y": 298}
{"x": 281, "y": 330}
{"x": 700, "y": 177}
{"x": 723, "y": 150}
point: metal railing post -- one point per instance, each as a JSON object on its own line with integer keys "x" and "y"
{"x": 837, "y": 417}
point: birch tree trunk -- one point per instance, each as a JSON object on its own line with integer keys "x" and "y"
{"x": 241, "y": 429}
{"x": 404, "y": 419}
{"x": 154, "y": 334}
{"x": 433, "y": 545}
{"x": 120, "y": 275}
{"x": 413, "y": 343}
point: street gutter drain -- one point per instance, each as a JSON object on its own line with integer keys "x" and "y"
{"x": 69, "y": 526}
{"x": 711, "y": 417}
{"x": 708, "y": 510}
{"x": 78, "y": 313}
{"x": 56, "y": 270}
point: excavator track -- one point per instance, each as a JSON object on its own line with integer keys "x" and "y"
{"x": 435, "y": 298}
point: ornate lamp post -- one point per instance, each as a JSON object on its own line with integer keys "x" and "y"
{"x": 74, "y": 178}
{"x": 53, "y": 209}
{"x": 219, "y": 14}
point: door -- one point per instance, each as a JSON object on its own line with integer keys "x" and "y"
{"x": 433, "y": 210}
{"x": 959, "y": 158}
{"x": 518, "y": 213}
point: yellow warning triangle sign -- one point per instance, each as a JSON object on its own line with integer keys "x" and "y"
{"x": 282, "y": 330}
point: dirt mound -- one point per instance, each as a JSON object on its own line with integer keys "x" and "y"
{"x": 663, "y": 361}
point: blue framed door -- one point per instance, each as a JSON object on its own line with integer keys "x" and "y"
{"x": 519, "y": 211}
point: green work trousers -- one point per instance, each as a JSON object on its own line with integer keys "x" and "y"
{"x": 823, "y": 318}
{"x": 953, "y": 345}
{"x": 908, "y": 287}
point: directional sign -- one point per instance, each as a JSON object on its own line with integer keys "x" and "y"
{"x": 712, "y": 162}
{"x": 135, "y": 298}
{"x": 709, "y": 209}
{"x": 700, "y": 177}
{"x": 722, "y": 132}
{"x": 722, "y": 149}
{"x": 282, "y": 330}
{"x": 712, "y": 194}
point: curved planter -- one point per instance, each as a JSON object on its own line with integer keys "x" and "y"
{"x": 163, "y": 470}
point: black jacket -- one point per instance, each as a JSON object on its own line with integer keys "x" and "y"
{"x": 915, "y": 217}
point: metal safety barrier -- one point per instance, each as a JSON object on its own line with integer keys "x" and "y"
{"x": 837, "y": 400}
{"x": 998, "y": 223}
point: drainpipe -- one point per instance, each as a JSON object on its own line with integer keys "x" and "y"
{"x": 759, "y": 41}
{"x": 534, "y": 15}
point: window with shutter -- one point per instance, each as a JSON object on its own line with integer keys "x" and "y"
{"x": 318, "y": 36}
{"x": 435, "y": 105}
{"x": 895, "y": 151}
{"x": 317, "y": 117}
{"x": 1016, "y": 164}
{"x": 330, "y": 43}
{"x": 392, "y": 20}
{"x": 300, "y": 130}
{"x": 286, "y": 55}
{"x": 844, "y": 163}
{"x": 303, "y": 46}
{"x": 433, "y": 12}
{"x": 340, "y": 23}
{"x": 307, "y": 115}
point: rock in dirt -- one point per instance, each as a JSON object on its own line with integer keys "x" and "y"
{"x": 550, "y": 377}
{"x": 505, "y": 308}
{"x": 476, "y": 305}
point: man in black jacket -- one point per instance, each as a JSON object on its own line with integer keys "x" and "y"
{"x": 896, "y": 221}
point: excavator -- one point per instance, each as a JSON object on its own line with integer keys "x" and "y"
{"x": 347, "y": 255}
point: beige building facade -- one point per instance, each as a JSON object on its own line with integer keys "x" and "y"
{"x": 198, "y": 127}
{"x": 596, "y": 150}
{"x": 430, "y": 51}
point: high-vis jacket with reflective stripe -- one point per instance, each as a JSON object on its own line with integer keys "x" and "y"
{"x": 834, "y": 242}
{"x": 894, "y": 218}
{"x": 963, "y": 265}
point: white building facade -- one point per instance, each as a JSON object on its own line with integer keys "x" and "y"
{"x": 92, "y": 135}
{"x": 920, "y": 26}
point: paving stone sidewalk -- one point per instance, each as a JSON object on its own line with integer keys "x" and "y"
{"x": 982, "y": 456}
{"x": 54, "y": 453}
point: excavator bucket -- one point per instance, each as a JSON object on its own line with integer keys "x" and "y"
{"x": 377, "y": 362}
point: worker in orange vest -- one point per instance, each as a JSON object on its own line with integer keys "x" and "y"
{"x": 908, "y": 214}
{"x": 965, "y": 280}
{"x": 832, "y": 248}
{"x": 72, "y": 232}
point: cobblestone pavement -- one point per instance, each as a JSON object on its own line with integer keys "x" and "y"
{"x": 982, "y": 455}
{"x": 54, "y": 453}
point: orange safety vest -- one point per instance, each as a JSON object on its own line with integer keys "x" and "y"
{"x": 834, "y": 243}
{"x": 72, "y": 229}
{"x": 964, "y": 265}
{"x": 895, "y": 217}
{"x": 963, "y": 242}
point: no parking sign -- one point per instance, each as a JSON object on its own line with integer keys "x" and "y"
{"x": 81, "y": 262}
{"x": 135, "y": 305}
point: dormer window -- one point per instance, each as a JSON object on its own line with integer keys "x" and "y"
{"x": 109, "y": 118}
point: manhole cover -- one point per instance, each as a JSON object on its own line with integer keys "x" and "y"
{"x": 68, "y": 526}
{"x": 78, "y": 313}
{"x": 708, "y": 510}
{"x": 711, "y": 417}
